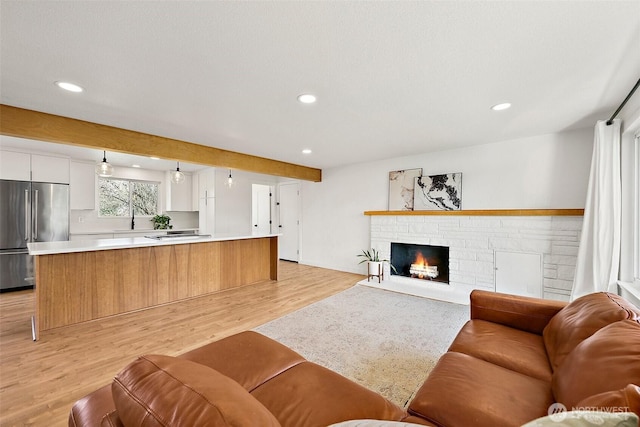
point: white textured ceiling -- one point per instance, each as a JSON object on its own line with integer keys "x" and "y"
{"x": 392, "y": 78}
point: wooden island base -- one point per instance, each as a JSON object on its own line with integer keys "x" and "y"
{"x": 81, "y": 286}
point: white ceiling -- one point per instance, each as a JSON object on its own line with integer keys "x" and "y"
{"x": 392, "y": 78}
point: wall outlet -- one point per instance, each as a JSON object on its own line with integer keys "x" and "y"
{"x": 80, "y": 219}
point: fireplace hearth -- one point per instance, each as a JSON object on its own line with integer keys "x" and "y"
{"x": 423, "y": 262}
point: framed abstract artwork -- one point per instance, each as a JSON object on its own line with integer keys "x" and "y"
{"x": 401, "y": 186}
{"x": 438, "y": 192}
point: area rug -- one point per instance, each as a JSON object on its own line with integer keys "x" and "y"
{"x": 385, "y": 341}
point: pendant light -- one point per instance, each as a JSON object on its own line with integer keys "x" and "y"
{"x": 230, "y": 180}
{"x": 104, "y": 168}
{"x": 176, "y": 176}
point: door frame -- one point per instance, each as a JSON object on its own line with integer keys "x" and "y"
{"x": 271, "y": 205}
{"x": 279, "y": 208}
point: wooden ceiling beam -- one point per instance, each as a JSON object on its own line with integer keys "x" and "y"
{"x": 22, "y": 123}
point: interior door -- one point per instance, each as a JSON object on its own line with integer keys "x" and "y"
{"x": 289, "y": 221}
{"x": 261, "y": 208}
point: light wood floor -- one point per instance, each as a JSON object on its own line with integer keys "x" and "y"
{"x": 40, "y": 381}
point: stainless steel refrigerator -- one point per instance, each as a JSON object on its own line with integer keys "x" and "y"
{"x": 29, "y": 212}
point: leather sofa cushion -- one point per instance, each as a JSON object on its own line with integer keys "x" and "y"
{"x": 501, "y": 345}
{"x": 311, "y": 395}
{"x": 162, "y": 390}
{"x": 606, "y": 361}
{"x": 626, "y": 399}
{"x": 581, "y": 319}
{"x": 249, "y": 358}
{"x": 462, "y": 390}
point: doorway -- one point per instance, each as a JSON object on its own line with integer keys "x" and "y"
{"x": 289, "y": 223}
{"x": 261, "y": 208}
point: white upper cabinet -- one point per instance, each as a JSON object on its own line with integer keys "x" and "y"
{"x": 82, "y": 188}
{"x": 49, "y": 169}
{"x": 179, "y": 195}
{"x": 195, "y": 188}
{"x": 15, "y": 166}
{"x": 33, "y": 167}
{"x": 206, "y": 183}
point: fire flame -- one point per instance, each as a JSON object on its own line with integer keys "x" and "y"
{"x": 421, "y": 268}
{"x": 420, "y": 260}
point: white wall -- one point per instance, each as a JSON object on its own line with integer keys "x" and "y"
{"x": 233, "y": 204}
{"x": 542, "y": 172}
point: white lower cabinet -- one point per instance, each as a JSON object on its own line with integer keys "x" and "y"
{"x": 90, "y": 236}
{"x": 139, "y": 234}
{"x": 125, "y": 234}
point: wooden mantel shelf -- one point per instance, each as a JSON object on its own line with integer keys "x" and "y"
{"x": 485, "y": 212}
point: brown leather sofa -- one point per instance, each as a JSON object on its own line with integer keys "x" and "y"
{"x": 515, "y": 358}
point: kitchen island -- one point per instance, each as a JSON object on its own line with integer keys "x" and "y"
{"x": 79, "y": 281}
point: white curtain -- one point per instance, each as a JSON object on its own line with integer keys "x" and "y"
{"x": 599, "y": 253}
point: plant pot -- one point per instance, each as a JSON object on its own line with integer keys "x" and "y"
{"x": 375, "y": 268}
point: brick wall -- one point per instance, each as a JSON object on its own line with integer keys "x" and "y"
{"x": 473, "y": 241}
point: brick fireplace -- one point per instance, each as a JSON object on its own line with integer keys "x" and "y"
{"x": 473, "y": 241}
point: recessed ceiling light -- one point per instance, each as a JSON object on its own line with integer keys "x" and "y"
{"x": 306, "y": 151}
{"x": 69, "y": 86}
{"x": 154, "y": 158}
{"x": 500, "y": 107}
{"x": 307, "y": 98}
{"x": 135, "y": 166}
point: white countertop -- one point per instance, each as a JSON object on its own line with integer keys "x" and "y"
{"x": 49, "y": 248}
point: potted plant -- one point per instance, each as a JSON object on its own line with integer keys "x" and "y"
{"x": 161, "y": 222}
{"x": 372, "y": 258}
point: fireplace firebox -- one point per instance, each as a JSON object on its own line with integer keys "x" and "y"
{"x": 424, "y": 262}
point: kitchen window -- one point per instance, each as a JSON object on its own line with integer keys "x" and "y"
{"x": 125, "y": 198}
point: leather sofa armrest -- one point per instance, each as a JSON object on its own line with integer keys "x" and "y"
{"x": 524, "y": 313}
{"x": 91, "y": 409}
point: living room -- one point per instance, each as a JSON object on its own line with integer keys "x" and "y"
{"x": 407, "y": 92}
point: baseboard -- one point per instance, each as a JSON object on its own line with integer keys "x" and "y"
{"x": 440, "y": 292}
